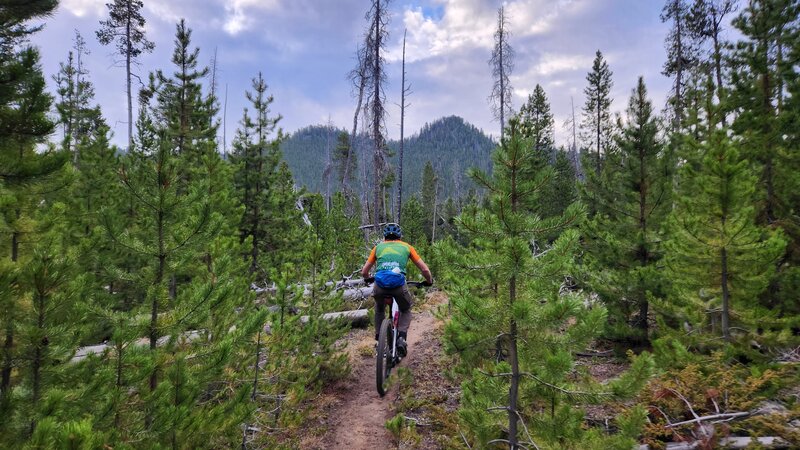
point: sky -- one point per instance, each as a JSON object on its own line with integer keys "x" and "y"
{"x": 305, "y": 48}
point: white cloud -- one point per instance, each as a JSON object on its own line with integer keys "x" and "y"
{"x": 553, "y": 63}
{"x": 537, "y": 17}
{"x": 81, "y": 8}
{"x": 464, "y": 24}
{"x": 471, "y": 24}
{"x": 238, "y": 15}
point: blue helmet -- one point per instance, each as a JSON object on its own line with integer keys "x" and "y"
{"x": 392, "y": 231}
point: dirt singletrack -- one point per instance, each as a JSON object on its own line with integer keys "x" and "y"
{"x": 353, "y": 415}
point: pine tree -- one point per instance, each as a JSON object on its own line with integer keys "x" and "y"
{"x": 283, "y": 220}
{"x": 47, "y": 334}
{"x": 705, "y": 21}
{"x": 720, "y": 258}
{"x": 633, "y": 198}
{"x": 536, "y": 124}
{"x": 183, "y": 109}
{"x": 125, "y": 27}
{"x": 596, "y": 126}
{"x": 506, "y": 302}
{"x": 562, "y": 190}
{"x": 681, "y": 55}
{"x": 430, "y": 188}
{"x": 340, "y": 160}
{"x": 78, "y": 117}
{"x": 24, "y": 172}
{"x": 255, "y": 163}
{"x": 762, "y": 73}
{"x": 190, "y": 396}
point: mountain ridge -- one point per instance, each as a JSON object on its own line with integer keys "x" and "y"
{"x": 451, "y": 144}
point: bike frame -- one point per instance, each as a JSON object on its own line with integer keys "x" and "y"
{"x": 386, "y": 354}
{"x": 395, "y": 318}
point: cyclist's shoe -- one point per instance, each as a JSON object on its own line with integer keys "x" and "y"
{"x": 402, "y": 347}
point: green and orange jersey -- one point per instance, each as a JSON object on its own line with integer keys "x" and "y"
{"x": 391, "y": 254}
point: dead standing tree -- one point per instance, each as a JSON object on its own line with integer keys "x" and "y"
{"x": 125, "y": 27}
{"x": 406, "y": 90}
{"x": 359, "y": 78}
{"x": 502, "y": 62}
{"x": 377, "y": 35}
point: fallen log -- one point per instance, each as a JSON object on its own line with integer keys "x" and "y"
{"x": 722, "y": 417}
{"x": 356, "y": 318}
{"x": 596, "y": 354}
{"x": 731, "y": 442}
{"x": 737, "y": 442}
{"x": 84, "y": 352}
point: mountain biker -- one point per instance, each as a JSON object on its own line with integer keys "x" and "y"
{"x": 391, "y": 257}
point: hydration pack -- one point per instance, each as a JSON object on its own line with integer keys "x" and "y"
{"x": 388, "y": 279}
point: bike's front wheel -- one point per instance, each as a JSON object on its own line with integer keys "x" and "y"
{"x": 383, "y": 358}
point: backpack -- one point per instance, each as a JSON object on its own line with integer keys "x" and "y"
{"x": 388, "y": 279}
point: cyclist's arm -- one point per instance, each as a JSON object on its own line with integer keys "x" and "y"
{"x": 368, "y": 265}
{"x": 426, "y": 272}
{"x": 417, "y": 260}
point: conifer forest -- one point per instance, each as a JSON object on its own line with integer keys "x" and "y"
{"x": 627, "y": 280}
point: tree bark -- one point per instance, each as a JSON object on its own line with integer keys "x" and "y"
{"x": 718, "y": 63}
{"x": 376, "y": 117}
{"x": 502, "y": 77}
{"x": 726, "y": 332}
{"x": 643, "y": 251}
{"x": 679, "y": 71}
{"x": 513, "y": 391}
{"x": 402, "y": 140}
{"x": 128, "y": 57}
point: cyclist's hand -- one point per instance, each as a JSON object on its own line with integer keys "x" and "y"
{"x": 369, "y": 280}
{"x": 427, "y": 283}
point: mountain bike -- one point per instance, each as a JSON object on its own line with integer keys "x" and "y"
{"x": 386, "y": 356}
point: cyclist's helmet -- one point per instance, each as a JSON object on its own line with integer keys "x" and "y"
{"x": 392, "y": 231}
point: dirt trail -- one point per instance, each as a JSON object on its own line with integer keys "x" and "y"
{"x": 354, "y": 414}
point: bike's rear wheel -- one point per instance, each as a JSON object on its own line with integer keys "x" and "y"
{"x": 383, "y": 359}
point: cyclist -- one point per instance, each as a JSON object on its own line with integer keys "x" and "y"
{"x": 391, "y": 257}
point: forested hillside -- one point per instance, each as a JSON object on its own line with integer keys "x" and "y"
{"x": 173, "y": 288}
{"x": 449, "y": 144}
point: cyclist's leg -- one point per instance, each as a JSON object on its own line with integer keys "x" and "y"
{"x": 405, "y": 301}
{"x": 380, "y": 306}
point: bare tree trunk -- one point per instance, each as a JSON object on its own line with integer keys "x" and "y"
{"x": 377, "y": 116}
{"x": 328, "y": 172}
{"x": 513, "y": 391}
{"x": 726, "y": 331}
{"x": 597, "y": 162}
{"x": 128, "y": 57}
{"x": 435, "y": 199}
{"x": 643, "y": 253}
{"x": 118, "y": 385}
{"x": 365, "y": 204}
{"x": 213, "y": 88}
{"x": 502, "y": 81}
{"x": 38, "y": 356}
{"x": 225, "y": 125}
{"x": 159, "y": 278}
{"x": 718, "y": 64}
{"x": 402, "y": 140}
{"x": 8, "y": 344}
{"x": 353, "y": 137}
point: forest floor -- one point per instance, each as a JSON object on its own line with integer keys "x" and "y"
{"x": 349, "y": 414}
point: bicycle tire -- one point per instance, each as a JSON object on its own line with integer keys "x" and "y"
{"x": 383, "y": 358}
